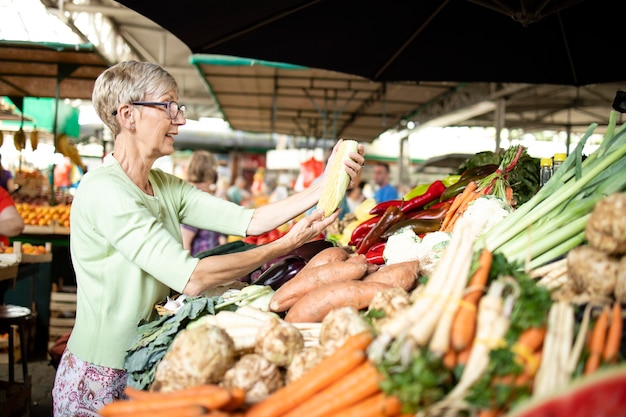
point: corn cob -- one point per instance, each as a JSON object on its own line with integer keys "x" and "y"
{"x": 337, "y": 179}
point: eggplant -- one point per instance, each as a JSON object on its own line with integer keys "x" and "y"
{"x": 312, "y": 248}
{"x": 281, "y": 271}
{"x": 304, "y": 252}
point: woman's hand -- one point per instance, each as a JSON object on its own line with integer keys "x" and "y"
{"x": 309, "y": 227}
{"x": 353, "y": 165}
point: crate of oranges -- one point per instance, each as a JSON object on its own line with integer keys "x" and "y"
{"x": 26, "y": 253}
{"x": 45, "y": 219}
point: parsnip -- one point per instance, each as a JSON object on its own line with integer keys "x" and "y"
{"x": 254, "y": 312}
{"x": 226, "y": 318}
{"x": 440, "y": 342}
{"x": 555, "y": 369}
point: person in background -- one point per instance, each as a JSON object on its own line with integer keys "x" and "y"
{"x": 6, "y": 178}
{"x": 355, "y": 196}
{"x": 237, "y": 192}
{"x": 201, "y": 173}
{"x": 385, "y": 191}
{"x": 282, "y": 188}
{"x": 125, "y": 238}
{"x": 11, "y": 223}
{"x": 221, "y": 187}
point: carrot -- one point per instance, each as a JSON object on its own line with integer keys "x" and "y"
{"x": 509, "y": 194}
{"x": 461, "y": 209}
{"x": 527, "y": 349}
{"x": 491, "y": 412}
{"x": 377, "y": 405}
{"x": 211, "y": 401}
{"x": 313, "y": 307}
{"x": 306, "y": 280}
{"x": 332, "y": 368}
{"x": 401, "y": 275}
{"x": 184, "y": 411}
{"x": 237, "y": 399}
{"x": 532, "y": 338}
{"x": 449, "y": 359}
{"x": 597, "y": 342}
{"x": 349, "y": 390}
{"x": 464, "y": 324}
{"x": 463, "y": 356}
{"x": 470, "y": 188}
{"x": 614, "y": 334}
{"x": 137, "y": 394}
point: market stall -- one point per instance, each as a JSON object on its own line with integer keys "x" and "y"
{"x": 484, "y": 293}
{"x": 30, "y": 287}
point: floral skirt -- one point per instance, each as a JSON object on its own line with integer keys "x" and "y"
{"x": 82, "y": 388}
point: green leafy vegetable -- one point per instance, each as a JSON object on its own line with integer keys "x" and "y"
{"x": 420, "y": 384}
{"x": 479, "y": 159}
{"x": 154, "y": 338}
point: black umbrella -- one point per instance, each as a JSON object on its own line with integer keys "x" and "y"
{"x": 571, "y": 42}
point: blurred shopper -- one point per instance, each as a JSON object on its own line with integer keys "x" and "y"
{"x": 282, "y": 188}
{"x": 355, "y": 196}
{"x": 202, "y": 174}
{"x": 11, "y": 223}
{"x": 6, "y": 178}
{"x": 384, "y": 191}
{"x": 237, "y": 192}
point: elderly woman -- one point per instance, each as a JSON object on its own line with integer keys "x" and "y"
{"x": 125, "y": 238}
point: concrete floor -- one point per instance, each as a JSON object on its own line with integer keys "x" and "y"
{"x": 42, "y": 377}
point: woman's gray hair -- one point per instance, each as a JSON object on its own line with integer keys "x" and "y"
{"x": 127, "y": 82}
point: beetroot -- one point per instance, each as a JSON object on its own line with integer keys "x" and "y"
{"x": 602, "y": 394}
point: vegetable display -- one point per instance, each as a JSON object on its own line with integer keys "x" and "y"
{"x": 471, "y": 303}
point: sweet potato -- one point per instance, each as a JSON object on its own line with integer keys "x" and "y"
{"x": 402, "y": 275}
{"x": 359, "y": 259}
{"x": 314, "y": 306}
{"x": 308, "y": 279}
{"x": 327, "y": 255}
{"x": 362, "y": 259}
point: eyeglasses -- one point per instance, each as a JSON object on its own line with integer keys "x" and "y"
{"x": 172, "y": 107}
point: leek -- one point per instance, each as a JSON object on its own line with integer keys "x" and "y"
{"x": 553, "y": 220}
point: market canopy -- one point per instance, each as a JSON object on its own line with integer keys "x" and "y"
{"x": 261, "y": 96}
{"x": 568, "y": 42}
{"x": 50, "y": 70}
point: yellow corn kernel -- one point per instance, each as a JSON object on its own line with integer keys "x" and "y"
{"x": 337, "y": 180}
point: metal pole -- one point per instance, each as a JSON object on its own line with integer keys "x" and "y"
{"x": 499, "y": 121}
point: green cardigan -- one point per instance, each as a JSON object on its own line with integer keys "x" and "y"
{"x": 126, "y": 250}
